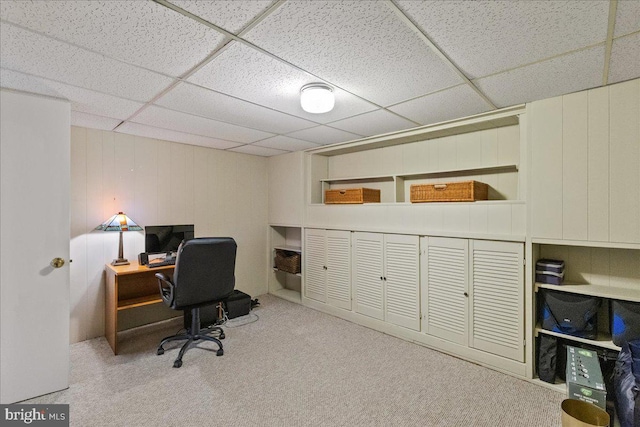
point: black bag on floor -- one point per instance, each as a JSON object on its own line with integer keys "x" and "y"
{"x": 570, "y": 314}
{"x": 547, "y": 357}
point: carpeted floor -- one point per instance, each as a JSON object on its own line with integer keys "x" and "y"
{"x": 294, "y": 367}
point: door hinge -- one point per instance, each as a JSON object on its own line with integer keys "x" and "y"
{"x": 524, "y": 343}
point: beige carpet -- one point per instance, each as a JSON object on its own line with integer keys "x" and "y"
{"x": 294, "y": 367}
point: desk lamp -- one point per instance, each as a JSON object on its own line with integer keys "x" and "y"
{"x": 119, "y": 222}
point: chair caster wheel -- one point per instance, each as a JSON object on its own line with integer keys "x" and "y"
{"x": 221, "y": 336}
{"x": 177, "y": 363}
{"x": 160, "y": 351}
{"x": 220, "y": 352}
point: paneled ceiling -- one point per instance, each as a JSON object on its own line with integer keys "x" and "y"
{"x": 227, "y": 74}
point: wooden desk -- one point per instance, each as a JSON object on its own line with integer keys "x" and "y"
{"x": 129, "y": 286}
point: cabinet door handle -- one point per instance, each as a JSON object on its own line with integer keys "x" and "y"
{"x": 324, "y": 266}
{"x": 439, "y": 186}
{"x": 466, "y": 294}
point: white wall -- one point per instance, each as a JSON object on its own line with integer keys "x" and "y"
{"x": 158, "y": 182}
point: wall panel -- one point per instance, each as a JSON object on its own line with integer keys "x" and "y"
{"x": 158, "y": 182}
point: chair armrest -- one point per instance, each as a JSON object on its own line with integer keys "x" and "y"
{"x": 166, "y": 288}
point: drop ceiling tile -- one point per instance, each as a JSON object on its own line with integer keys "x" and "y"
{"x": 245, "y": 73}
{"x": 374, "y": 123}
{"x": 182, "y": 122}
{"x": 258, "y": 151}
{"x": 24, "y": 82}
{"x": 204, "y": 102}
{"x": 627, "y": 17}
{"x": 83, "y": 100}
{"x": 357, "y": 45}
{"x": 94, "y": 122}
{"x": 282, "y": 142}
{"x": 232, "y": 16}
{"x": 449, "y": 104}
{"x": 472, "y": 32}
{"x": 324, "y": 135}
{"x": 139, "y": 32}
{"x": 34, "y": 54}
{"x": 565, "y": 74}
{"x": 169, "y": 135}
{"x": 625, "y": 59}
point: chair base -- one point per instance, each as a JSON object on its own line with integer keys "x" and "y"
{"x": 195, "y": 334}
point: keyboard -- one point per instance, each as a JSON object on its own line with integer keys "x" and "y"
{"x": 164, "y": 263}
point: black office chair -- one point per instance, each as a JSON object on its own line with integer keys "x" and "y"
{"x": 204, "y": 275}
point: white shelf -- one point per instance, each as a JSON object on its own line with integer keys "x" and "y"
{"x": 585, "y": 243}
{"x": 425, "y": 174}
{"x": 297, "y": 249}
{"x": 282, "y": 271}
{"x": 603, "y": 341}
{"x": 612, "y": 292}
{"x": 288, "y": 294}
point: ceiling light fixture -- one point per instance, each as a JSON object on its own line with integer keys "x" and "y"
{"x": 317, "y": 98}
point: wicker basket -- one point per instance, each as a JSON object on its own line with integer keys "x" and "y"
{"x": 288, "y": 261}
{"x": 465, "y": 191}
{"x": 352, "y": 196}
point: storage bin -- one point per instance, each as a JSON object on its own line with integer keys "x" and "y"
{"x": 550, "y": 271}
{"x": 464, "y": 191}
{"x": 625, "y": 321}
{"x": 287, "y": 261}
{"x": 352, "y": 196}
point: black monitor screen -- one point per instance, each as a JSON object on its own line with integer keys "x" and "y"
{"x": 166, "y": 238}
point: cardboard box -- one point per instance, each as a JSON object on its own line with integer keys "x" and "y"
{"x": 584, "y": 377}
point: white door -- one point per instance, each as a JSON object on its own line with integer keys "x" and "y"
{"x": 497, "y": 298}
{"x": 368, "y": 274}
{"x": 339, "y": 268}
{"x": 446, "y": 287}
{"x": 34, "y": 225}
{"x": 402, "y": 280}
{"x": 315, "y": 265}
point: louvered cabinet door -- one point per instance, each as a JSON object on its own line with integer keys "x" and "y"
{"x": 368, "y": 274}
{"x": 315, "y": 271}
{"x": 446, "y": 289}
{"x": 497, "y": 298}
{"x": 339, "y": 268}
{"x": 402, "y": 280}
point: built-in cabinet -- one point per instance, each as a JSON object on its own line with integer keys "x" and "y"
{"x": 328, "y": 267}
{"x": 386, "y": 277}
{"x": 564, "y": 182}
{"x": 474, "y": 294}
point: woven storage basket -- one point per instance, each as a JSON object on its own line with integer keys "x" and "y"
{"x": 288, "y": 261}
{"x": 465, "y": 191}
{"x": 352, "y": 196}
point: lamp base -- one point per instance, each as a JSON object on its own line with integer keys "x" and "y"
{"x": 120, "y": 261}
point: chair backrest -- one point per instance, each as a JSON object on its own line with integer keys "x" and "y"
{"x": 204, "y": 272}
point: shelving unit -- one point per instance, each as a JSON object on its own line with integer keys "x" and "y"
{"x": 281, "y": 283}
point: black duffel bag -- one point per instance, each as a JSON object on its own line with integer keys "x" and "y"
{"x": 570, "y": 314}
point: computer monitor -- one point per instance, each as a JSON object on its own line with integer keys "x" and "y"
{"x": 166, "y": 238}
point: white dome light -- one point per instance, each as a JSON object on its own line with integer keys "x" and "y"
{"x": 317, "y": 98}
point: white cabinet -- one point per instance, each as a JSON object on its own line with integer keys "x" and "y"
{"x": 474, "y": 294}
{"x": 497, "y": 298}
{"x": 386, "y": 277}
{"x": 445, "y": 288}
{"x": 328, "y": 266}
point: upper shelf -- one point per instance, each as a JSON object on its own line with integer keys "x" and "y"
{"x": 484, "y": 169}
{"x": 612, "y": 292}
{"x": 489, "y": 120}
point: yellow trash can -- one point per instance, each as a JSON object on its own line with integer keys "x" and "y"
{"x": 576, "y": 413}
